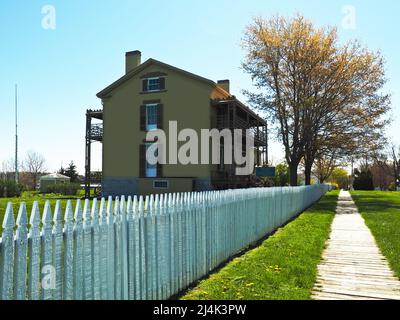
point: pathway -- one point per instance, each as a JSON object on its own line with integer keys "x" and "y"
{"x": 352, "y": 266}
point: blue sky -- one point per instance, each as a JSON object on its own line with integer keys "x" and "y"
{"x": 60, "y": 71}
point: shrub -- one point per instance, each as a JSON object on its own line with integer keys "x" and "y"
{"x": 66, "y": 189}
{"x": 392, "y": 186}
{"x": 9, "y": 189}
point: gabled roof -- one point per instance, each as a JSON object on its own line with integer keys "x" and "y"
{"x": 54, "y": 176}
{"x": 105, "y": 92}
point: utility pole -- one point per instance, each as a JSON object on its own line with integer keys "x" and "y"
{"x": 16, "y": 134}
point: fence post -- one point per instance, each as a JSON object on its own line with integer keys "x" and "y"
{"x": 103, "y": 250}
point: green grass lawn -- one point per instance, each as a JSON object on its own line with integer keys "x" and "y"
{"x": 284, "y": 267}
{"x": 381, "y": 211}
{"x": 29, "y": 198}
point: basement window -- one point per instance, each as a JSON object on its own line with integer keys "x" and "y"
{"x": 160, "y": 184}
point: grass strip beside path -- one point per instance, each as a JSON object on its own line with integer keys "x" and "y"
{"x": 283, "y": 267}
{"x": 381, "y": 212}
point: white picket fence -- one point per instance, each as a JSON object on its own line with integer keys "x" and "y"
{"x": 137, "y": 248}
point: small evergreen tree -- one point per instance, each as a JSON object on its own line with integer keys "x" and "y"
{"x": 71, "y": 172}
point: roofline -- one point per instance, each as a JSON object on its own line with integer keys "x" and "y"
{"x": 106, "y": 91}
{"x": 234, "y": 99}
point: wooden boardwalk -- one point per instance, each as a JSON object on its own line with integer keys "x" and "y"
{"x": 353, "y": 267}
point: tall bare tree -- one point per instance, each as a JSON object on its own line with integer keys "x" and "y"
{"x": 324, "y": 166}
{"x": 34, "y": 164}
{"x": 8, "y": 169}
{"x": 317, "y": 92}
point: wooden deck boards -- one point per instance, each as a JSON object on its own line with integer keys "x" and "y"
{"x": 352, "y": 266}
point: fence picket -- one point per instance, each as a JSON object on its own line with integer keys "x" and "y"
{"x": 149, "y": 217}
{"x": 21, "y": 250}
{"x": 47, "y": 254}
{"x": 130, "y": 211}
{"x": 158, "y": 237}
{"x": 78, "y": 252}
{"x": 58, "y": 250}
{"x": 110, "y": 251}
{"x": 68, "y": 281}
{"x": 136, "y": 245}
{"x": 143, "y": 262}
{"x": 34, "y": 254}
{"x": 7, "y": 254}
{"x": 95, "y": 228}
{"x": 87, "y": 288}
{"x": 103, "y": 243}
{"x": 118, "y": 250}
{"x": 124, "y": 248}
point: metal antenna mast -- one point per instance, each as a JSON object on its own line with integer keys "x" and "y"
{"x": 16, "y": 134}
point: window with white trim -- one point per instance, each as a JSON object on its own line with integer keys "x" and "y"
{"x": 153, "y": 84}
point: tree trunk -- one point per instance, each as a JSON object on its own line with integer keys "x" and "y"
{"x": 307, "y": 173}
{"x": 293, "y": 174}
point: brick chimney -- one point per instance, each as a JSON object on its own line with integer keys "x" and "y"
{"x": 132, "y": 60}
{"x": 224, "y": 84}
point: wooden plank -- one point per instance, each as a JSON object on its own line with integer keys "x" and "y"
{"x": 47, "y": 271}
{"x": 110, "y": 251}
{"x": 96, "y": 251}
{"x": 68, "y": 281}
{"x": 118, "y": 250}
{"x": 352, "y": 265}
{"x": 58, "y": 250}
{"x": 21, "y": 250}
{"x": 87, "y": 288}
{"x": 78, "y": 252}
{"x": 124, "y": 247}
{"x": 131, "y": 252}
{"x": 143, "y": 250}
{"x": 7, "y": 255}
{"x": 34, "y": 254}
{"x": 103, "y": 230}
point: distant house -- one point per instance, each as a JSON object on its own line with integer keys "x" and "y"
{"x": 147, "y": 97}
{"x": 52, "y": 179}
